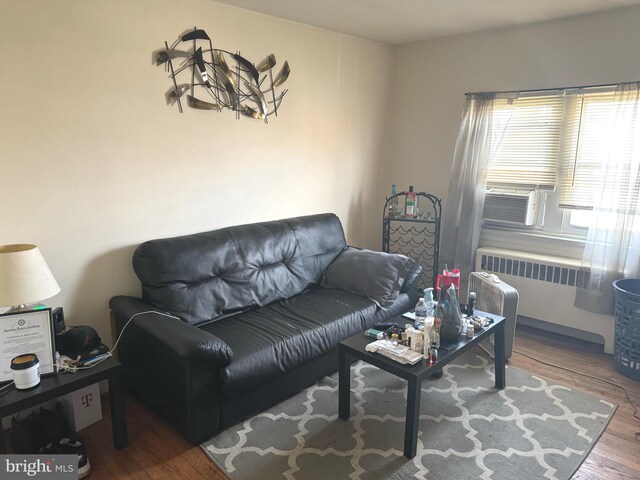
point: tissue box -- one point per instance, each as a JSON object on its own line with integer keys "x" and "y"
{"x": 82, "y": 407}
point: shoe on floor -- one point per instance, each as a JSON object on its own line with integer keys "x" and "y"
{"x": 70, "y": 445}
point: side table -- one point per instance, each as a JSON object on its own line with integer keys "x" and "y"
{"x": 54, "y": 386}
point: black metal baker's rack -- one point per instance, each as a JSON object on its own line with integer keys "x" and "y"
{"x": 417, "y": 237}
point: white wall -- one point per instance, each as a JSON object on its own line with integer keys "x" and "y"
{"x": 94, "y": 162}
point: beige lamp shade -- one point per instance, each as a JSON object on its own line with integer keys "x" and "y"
{"x": 24, "y": 276}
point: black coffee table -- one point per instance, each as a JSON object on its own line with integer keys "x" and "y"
{"x": 354, "y": 348}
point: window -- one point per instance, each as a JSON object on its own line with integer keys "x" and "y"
{"x": 593, "y": 143}
{"x": 557, "y": 144}
{"x": 526, "y": 154}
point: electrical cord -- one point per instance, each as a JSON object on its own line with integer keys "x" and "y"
{"x": 67, "y": 367}
{"x": 6, "y": 387}
{"x": 109, "y": 354}
{"x": 624, "y": 390}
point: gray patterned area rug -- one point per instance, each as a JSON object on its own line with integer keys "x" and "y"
{"x": 533, "y": 429}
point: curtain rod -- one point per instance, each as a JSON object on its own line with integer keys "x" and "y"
{"x": 542, "y": 90}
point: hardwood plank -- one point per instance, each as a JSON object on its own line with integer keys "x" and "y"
{"x": 604, "y": 467}
{"x": 617, "y": 453}
{"x": 630, "y": 447}
{"x": 155, "y": 450}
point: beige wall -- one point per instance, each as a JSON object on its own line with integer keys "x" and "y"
{"x": 94, "y": 162}
{"x": 432, "y": 77}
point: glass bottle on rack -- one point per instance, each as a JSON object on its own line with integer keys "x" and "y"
{"x": 410, "y": 203}
{"x": 393, "y": 203}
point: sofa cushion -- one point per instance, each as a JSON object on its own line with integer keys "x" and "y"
{"x": 376, "y": 275}
{"x": 320, "y": 240}
{"x": 207, "y": 275}
{"x": 280, "y": 337}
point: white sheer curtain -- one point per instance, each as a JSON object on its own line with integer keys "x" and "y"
{"x": 612, "y": 248}
{"x": 478, "y": 139}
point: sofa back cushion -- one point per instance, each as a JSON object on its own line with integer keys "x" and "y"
{"x": 207, "y": 275}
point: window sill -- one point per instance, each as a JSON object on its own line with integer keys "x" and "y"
{"x": 532, "y": 241}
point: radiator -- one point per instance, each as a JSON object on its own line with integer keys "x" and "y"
{"x": 546, "y": 286}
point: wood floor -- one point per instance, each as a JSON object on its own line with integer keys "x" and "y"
{"x": 156, "y": 452}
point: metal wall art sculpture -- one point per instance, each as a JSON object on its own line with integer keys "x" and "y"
{"x": 242, "y": 87}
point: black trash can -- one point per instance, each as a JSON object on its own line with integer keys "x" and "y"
{"x": 626, "y": 345}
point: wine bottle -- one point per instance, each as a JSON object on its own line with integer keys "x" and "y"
{"x": 393, "y": 203}
{"x": 410, "y": 203}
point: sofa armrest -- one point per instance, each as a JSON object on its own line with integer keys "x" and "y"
{"x": 171, "y": 366}
{"x": 186, "y": 341}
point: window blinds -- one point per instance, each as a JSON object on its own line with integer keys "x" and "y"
{"x": 525, "y": 142}
{"x": 601, "y": 134}
{"x": 565, "y": 140}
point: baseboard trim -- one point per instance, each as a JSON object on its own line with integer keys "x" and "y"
{"x": 561, "y": 330}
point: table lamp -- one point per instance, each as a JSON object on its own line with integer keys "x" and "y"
{"x": 25, "y": 278}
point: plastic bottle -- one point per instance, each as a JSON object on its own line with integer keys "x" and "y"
{"x": 410, "y": 203}
{"x": 393, "y": 203}
{"x": 434, "y": 354}
{"x": 428, "y": 333}
{"x": 415, "y": 340}
{"x": 448, "y": 311}
{"x": 431, "y": 304}
{"x": 471, "y": 303}
{"x": 435, "y": 332}
{"x": 421, "y": 312}
{"x": 470, "y": 330}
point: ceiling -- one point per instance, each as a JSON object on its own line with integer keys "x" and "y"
{"x": 403, "y": 21}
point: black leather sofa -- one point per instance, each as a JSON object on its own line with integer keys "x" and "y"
{"x": 256, "y": 325}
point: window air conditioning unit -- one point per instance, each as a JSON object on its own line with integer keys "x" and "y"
{"x": 510, "y": 207}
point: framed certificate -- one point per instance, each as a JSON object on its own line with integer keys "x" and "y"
{"x": 27, "y": 332}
